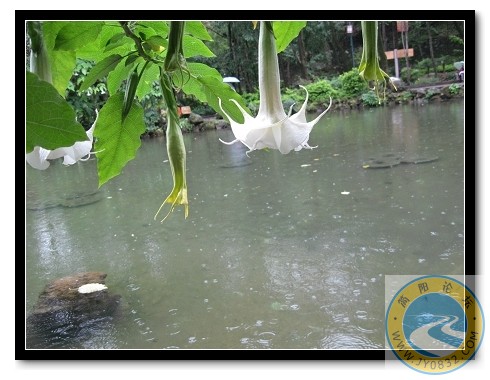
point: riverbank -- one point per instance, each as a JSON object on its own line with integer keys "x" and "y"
{"x": 416, "y": 95}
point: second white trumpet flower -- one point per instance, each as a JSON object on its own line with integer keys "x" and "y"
{"x": 272, "y": 127}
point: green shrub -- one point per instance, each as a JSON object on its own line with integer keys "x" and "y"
{"x": 424, "y": 64}
{"x": 203, "y": 109}
{"x": 454, "y": 89}
{"x": 430, "y": 94}
{"x": 427, "y": 80}
{"x": 85, "y": 102}
{"x": 294, "y": 95}
{"x": 414, "y": 75}
{"x": 352, "y": 85}
{"x": 406, "y": 96}
{"x": 336, "y": 83}
{"x": 321, "y": 91}
{"x": 370, "y": 99}
{"x": 186, "y": 125}
{"x": 252, "y": 100}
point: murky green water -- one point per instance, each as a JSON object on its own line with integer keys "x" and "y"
{"x": 277, "y": 252}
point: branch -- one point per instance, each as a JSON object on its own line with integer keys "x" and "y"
{"x": 138, "y": 41}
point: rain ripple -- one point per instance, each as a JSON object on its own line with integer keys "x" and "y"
{"x": 347, "y": 341}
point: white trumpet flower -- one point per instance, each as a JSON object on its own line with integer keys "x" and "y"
{"x": 39, "y": 157}
{"x": 272, "y": 128}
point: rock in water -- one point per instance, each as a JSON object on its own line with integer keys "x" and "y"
{"x": 62, "y": 311}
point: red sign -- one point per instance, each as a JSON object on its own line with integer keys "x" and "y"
{"x": 184, "y": 110}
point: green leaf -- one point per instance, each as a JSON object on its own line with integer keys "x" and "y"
{"x": 100, "y": 70}
{"x": 118, "y": 40}
{"x": 157, "y": 43}
{"x": 159, "y": 28}
{"x": 62, "y": 62}
{"x": 50, "y": 120}
{"x": 197, "y": 29}
{"x": 208, "y": 88}
{"x": 193, "y": 46}
{"x": 62, "y": 65}
{"x": 150, "y": 75}
{"x": 285, "y": 32}
{"x": 116, "y": 76}
{"x": 95, "y": 50}
{"x": 77, "y": 34}
{"x": 207, "y": 85}
{"x": 200, "y": 69}
{"x": 117, "y": 142}
{"x": 115, "y": 38}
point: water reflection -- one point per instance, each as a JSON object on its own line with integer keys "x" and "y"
{"x": 277, "y": 252}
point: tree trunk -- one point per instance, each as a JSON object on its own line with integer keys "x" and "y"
{"x": 383, "y": 62}
{"x": 431, "y": 49}
{"x": 302, "y": 56}
{"x": 404, "y": 36}
{"x": 384, "y": 37}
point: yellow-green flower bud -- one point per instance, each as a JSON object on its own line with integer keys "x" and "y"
{"x": 175, "y": 150}
{"x": 369, "y": 68}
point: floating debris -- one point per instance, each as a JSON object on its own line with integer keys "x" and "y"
{"x": 388, "y": 160}
{"x": 74, "y": 200}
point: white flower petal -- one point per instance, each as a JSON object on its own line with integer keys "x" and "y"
{"x": 38, "y": 158}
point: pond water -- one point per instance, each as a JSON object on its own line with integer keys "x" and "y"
{"x": 277, "y": 252}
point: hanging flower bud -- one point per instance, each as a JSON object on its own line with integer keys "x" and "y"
{"x": 175, "y": 150}
{"x": 369, "y": 68}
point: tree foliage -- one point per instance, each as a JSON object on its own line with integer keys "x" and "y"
{"x": 323, "y": 50}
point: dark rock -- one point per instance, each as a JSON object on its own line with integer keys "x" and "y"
{"x": 194, "y": 118}
{"x": 62, "y": 309}
{"x": 208, "y": 124}
{"x": 222, "y": 124}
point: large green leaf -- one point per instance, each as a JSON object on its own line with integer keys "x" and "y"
{"x": 62, "y": 62}
{"x": 208, "y": 88}
{"x": 197, "y": 29}
{"x": 206, "y": 84}
{"x": 193, "y": 46}
{"x": 77, "y": 34}
{"x": 100, "y": 70}
{"x": 200, "y": 69}
{"x": 50, "y": 121}
{"x": 120, "y": 73}
{"x": 285, "y": 32}
{"x": 117, "y": 141}
{"x": 196, "y": 70}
